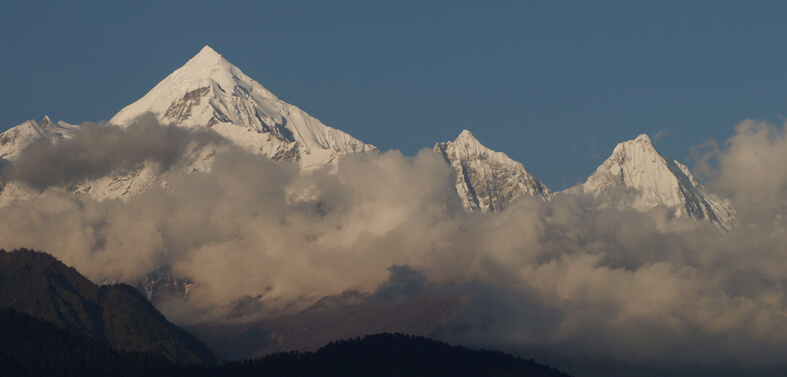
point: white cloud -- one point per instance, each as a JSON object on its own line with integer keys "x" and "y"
{"x": 640, "y": 287}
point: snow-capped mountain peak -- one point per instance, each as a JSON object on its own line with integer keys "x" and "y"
{"x": 487, "y": 181}
{"x": 206, "y": 57}
{"x": 644, "y": 138}
{"x": 205, "y": 76}
{"x": 467, "y": 136}
{"x": 209, "y": 64}
{"x": 635, "y": 163}
{"x": 209, "y": 92}
{"x": 16, "y": 139}
{"x": 637, "y": 176}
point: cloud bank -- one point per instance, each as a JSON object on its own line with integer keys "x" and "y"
{"x": 97, "y": 149}
{"x": 642, "y": 287}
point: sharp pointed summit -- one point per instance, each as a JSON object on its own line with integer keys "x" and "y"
{"x": 637, "y": 176}
{"x": 208, "y": 53}
{"x": 487, "y": 181}
{"x": 209, "y": 92}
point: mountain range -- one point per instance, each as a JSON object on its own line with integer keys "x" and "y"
{"x": 218, "y": 106}
{"x": 209, "y": 95}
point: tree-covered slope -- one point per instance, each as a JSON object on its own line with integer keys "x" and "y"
{"x": 38, "y": 284}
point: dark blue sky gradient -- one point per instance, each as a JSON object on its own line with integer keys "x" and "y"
{"x": 553, "y": 84}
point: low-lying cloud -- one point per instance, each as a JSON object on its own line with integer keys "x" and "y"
{"x": 642, "y": 287}
{"x": 97, "y": 149}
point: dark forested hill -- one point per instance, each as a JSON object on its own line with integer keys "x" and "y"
{"x": 33, "y": 347}
{"x": 347, "y": 315}
{"x": 54, "y": 321}
{"x": 38, "y": 284}
{"x": 390, "y": 355}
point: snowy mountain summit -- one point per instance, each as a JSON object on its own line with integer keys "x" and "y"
{"x": 637, "y": 176}
{"x": 15, "y": 140}
{"x": 210, "y": 92}
{"x": 487, "y": 181}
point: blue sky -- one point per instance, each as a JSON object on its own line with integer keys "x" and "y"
{"x": 553, "y": 84}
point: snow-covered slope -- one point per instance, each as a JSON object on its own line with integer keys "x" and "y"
{"x": 209, "y": 92}
{"x": 119, "y": 183}
{"x": 637, "y": 176}
{"x": 16, "y": 139}
{"x": 487, "y": 181}
{"x": 206, "y": 93}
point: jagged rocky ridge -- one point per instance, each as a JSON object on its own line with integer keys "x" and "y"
{"x": 486, "y": 180}
{"x": 636, "y": 176}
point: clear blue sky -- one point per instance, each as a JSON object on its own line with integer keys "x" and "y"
{"x": 553, "y": 84}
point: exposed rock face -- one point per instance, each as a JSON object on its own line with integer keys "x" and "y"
{"x": 488, "y": 181}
